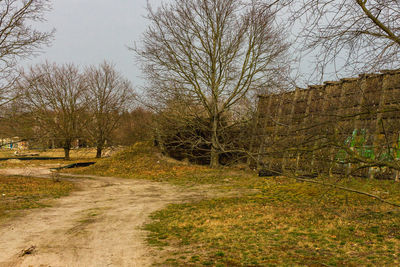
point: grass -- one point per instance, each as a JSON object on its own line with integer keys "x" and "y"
{"x": 81, "y": 153}
{"x": 77, "y": 155}
{"x": 143, "y": 161}
{"x": 17, "y": 193}
{"x": 286, "y": 223}
{"x": 39, "y": 163}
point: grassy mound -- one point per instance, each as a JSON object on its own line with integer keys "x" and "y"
{"x": 144, "y": 161}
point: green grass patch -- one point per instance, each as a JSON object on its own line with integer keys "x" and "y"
{"x": 17, "y": 193}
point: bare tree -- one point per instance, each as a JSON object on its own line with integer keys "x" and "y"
{"x": 55, "y": 95}
{"x": 18, "y": 39}
{"x": 212, "y": 53}
{"x": 109, "y": 95}
{"x": 352, "y": 35}
{"x": 135, "y": 125}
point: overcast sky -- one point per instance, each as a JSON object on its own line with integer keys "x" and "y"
{"x": 91, "y": 31}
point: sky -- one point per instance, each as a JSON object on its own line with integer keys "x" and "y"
{"x": 91, "y": 31}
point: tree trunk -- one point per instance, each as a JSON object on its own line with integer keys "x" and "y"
{"x": 253, "y": 137}
{"x": 98, "y": 154}
{"x": 214, "y": 155}
{"x": 160, "y": 142}
{"x": 214, "y": 160}
{"x": 66, "y": 153}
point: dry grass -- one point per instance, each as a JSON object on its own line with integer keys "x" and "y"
{"x": 81, "y": 153}
{"x": 77, "y": 155}
{"x": 18, "y": 193}
{"x": 287, "y": 223}
{"x": 143, "y": 161}
{"x": 39, "y": 163}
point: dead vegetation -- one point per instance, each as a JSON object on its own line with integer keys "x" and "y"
{"x": 17, "y": 193}
{"x": 144, "y": 161}
{"x": 281, "y": 221}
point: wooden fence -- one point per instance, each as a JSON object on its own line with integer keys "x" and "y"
{"x": 308, "y": 129}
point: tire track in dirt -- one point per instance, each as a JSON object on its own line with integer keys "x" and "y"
{"x": 99, "y": 225}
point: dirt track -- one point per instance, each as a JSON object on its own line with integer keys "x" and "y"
{"x": 99, "y": 225}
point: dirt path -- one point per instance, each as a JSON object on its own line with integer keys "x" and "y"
{"x": 99, "y": 225}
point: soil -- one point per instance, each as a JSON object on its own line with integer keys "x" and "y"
{"x": 97, "y": 225}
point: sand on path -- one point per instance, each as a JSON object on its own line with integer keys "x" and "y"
{"x": 98, "y": 225}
